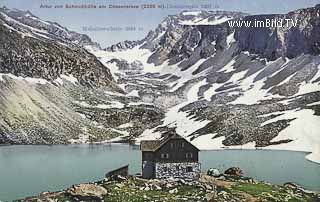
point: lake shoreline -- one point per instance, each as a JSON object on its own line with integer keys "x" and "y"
{"x": 41, "y": 164}
{"x": 130, "y": 143}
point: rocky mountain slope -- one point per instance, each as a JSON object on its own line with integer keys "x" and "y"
{"x": 29, "y": 24}
{"x": 218, "y": 85}
{"x": 229, "y": 87}
{"x": 44, "y": 78}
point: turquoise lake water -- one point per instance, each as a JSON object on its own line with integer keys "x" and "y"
{"x": 29, "y": 170}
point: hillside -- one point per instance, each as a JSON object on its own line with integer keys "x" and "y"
{"x": 218, "y": 86}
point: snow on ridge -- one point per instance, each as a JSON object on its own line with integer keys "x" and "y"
{"x": 35, "y": 31}
{"x": 191, "y": 12}
{"x": 200, "y": 21}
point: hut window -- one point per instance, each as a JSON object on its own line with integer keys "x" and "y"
{"x": 165, "y": 169}
{"x": 188, "y": 155}
{"x": 165, "y": 156}
{"x": 182, "y": 145}
{"x": 172, "y": 145}
{"x": 189, "y": 169}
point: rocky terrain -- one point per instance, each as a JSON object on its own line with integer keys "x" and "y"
{"x": 32, "y": 26}
{"x": 217, "y": 85}
{"x": 216, "y": 187}
{"x": 228, "y": 87}
{"x": 53, "y": 90}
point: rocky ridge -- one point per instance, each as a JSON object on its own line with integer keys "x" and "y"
{"x": 26, "y": 22}
{"x": 235, "y": 86}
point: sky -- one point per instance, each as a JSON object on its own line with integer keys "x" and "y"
{"x": 116, "y": 21}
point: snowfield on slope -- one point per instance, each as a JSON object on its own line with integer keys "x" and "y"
{"x": 304, "y": 131}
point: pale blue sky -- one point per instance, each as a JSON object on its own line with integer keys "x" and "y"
{"x": 76, "y": 19}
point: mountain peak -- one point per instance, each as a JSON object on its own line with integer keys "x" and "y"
{"x": 30, "y": 25}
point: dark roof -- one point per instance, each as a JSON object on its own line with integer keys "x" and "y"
{"x": 154, "y": 145}
{"x": 149, "y": 145}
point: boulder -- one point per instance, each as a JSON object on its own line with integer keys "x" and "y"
{"x": 84, "y": 191}
{"x": 210, "y": 196}
{"x": 173, "y": 191}
{"x": 291, "y": 185}
{"x": 213, "y": 172}
{"x": 234, "y": 171}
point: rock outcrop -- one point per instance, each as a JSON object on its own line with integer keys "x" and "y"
{"x": 23, "y": 55}
{"x": 300, "y": 34}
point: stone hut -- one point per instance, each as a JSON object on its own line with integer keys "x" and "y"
{"x": 172, "y": 156}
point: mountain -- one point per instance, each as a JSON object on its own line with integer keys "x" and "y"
{"x": 287, "y": 41}
{"x": 172, "y": 24}
{"x": 227, "y": 86}
{"x": 28, "y": 24}
{"x": 196, "y": 74}
{"x": 42, "y": 77}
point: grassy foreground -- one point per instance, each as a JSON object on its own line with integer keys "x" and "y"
{"x": 207, "y": 188}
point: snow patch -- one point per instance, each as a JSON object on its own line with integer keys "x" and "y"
{"x": 230, "y": 39}
{"x": 191, "y": 13}
{"x": 113, "y": 104}
{"x": 212, "y": 91}
{"x": 313, "y": 104}
{"x": 83, "y": 139}
{"x": 113, "y": 93}
{"x": 206, "y": 142}
{"x": 69, "y": 78}
{"x": 228, "y": 67}
{"x": 304, "y": 131}
{"x": 148, "y": 134}
{"x": 176, "y": 118}
{"x": 134, "y": 93}
{"x": 126, "y": 125}
{"x": 200, "y": 21}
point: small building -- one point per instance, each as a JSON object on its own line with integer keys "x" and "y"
{"x": 172, "y": 156}
{"x": 122, "y": 171}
